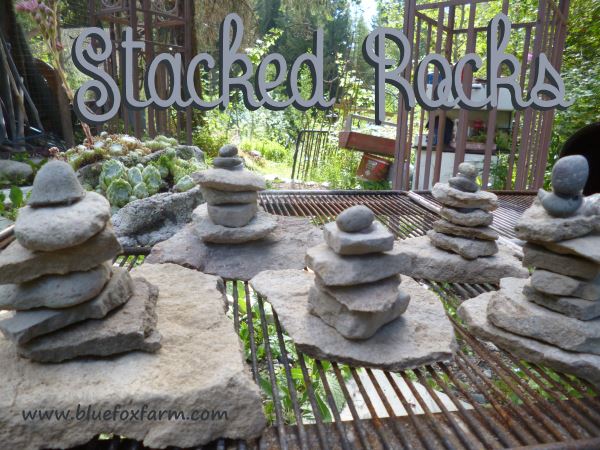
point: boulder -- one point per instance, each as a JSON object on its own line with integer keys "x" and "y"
{"x": 22, "y": 326}
{"x": 19, "y": 264}
{"x": 337, "y": 270}
{"x": 14, "y": 172}
{"x": 467, "y": 248}
{"x": 217, "y": 197}
{"x": 354, "y": 219}
{"x": 422, "y": 335}
{"x": 569, "y": 306}
{"x": 55, "y": 184}
{"x": 200, "y": 361}
{"x": 483, "y": 233}
{"x": 450, "y": 196}
{"x": 541, "y": 258}
{"x": 131, "y": 327}
{"x": 58, "y": 227}
{"x": 474, "y": 218}
{"x": 232, "y": 216}
{"x": 227, "y": 180}
{"x": 374, "y": 239}
{"x": 563, "y": 285}
{"x": 55, "y": 291}
{"x": 148, "y": 221}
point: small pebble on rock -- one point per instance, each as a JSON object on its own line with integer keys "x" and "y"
{"x": 354, "y": 219}
{"x": 55, "y": 184}
{"x": 569, "y": 175}
{"x": 228, "y": 151}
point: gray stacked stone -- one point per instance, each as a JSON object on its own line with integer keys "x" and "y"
{"x": 231, "y": 214}
{"x": 59, "y": 273}
{"x": 357, "y": 282}
{"x": 464, "y": 227}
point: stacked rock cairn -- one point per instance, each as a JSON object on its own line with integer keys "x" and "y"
{"x": 231, "y": 214}
{"x": 464, "y": 227}
{"x": 357, "y": 282}
{"x": 58, "y": 274}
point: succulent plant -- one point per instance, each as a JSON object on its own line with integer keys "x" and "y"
{"x": 118, "y": 192}
{"x": 111, "y": 171}
{"x": 152, "y": 179}
{"x": 184, "y": 184}
{"x": 134, "y": 176}
{"x": 140, "y": 190}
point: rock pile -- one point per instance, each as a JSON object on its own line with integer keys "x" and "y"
{"x": 231, "y": 214}
{"x": 356, "y": 287}
{"x": 559, "y": 305}
{"x": 464, "y": 228}
{"x": 58, "y": 274}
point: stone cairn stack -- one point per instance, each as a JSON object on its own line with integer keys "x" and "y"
{"x": 231, "y": 214}
{"x": 466, "y": 214}
{"x": 58, "y": 273}
{"x": 357, "y": 279}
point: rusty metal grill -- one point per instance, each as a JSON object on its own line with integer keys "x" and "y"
{"x": 483, "y": 398}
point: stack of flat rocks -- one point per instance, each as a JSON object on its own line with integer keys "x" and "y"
{"x": 462, "y": 247}
{"x": 356, "y": 287}
{"x": 558, "y": 307}
{"x": 231, "y": 214}
{"x": 62, "y": 297}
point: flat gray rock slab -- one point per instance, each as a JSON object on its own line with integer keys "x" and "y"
{"x": 230, "y": 180}
{"x": 258, "y": 228}
{"x": 449, "y": 196}
{"x": 22, "y": 326}
{"x": 485, "y": 233}
{"x": 511, "y": 311}
{"x": 467, "y": 248}
{"x": 19, "y": 264}
{"x": 284, "y": 248}
{"x": 338, "y": 270}
{"x": 587, "y": 247}
{"x": 475, "y": 218}
{"x": 125, "y": 329}
{"x": 542, "y": 258}
{"x": 474, "y": 314}
{"x": 57, "y": 227}
{"x": 422, "y": 335}
{"x": 217, "y": 197}
{"x": 563, "y": 285}
{"x": 55, "y": 291}
{"x": 200, "y": 367}
{"x": 375, "y": 238}
{"x": 569, "y": 306}
{"x": 431, "y": 263}
{"x": 537, "y": 225}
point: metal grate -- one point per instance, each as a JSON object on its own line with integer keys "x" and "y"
{"x": 484, "y": 398}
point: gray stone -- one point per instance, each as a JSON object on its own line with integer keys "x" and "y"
{"x": 591, "y": 205}
{"x": 22, "y": 326}
{"x": 463, "y": 184}
{"x": 474, "y": 314}
{"x": 484, "y": 233}
{"x": 569, "y": 175}
{"x": 227, "y": 180}
{"x": 563, "y": 285}
{"x": 188, "y": 152}
{"x": 355, "y": 219}
{"x": 19, "y": 265}
{"x": 351, "y": 324}
{"x": 467, "y": 248}
{"x": 90, "y": 175}
{"x": 55, "y": 291}
{"x": 538, "y": 226}
{"x": 422, "y": 335}
{"x": 467, "y": 170}
{"x": 5, "y": 223}
{"x": 216, "y": 197}
{"x": 475, "y": 218}
{"x": 449, "y": 196}
{"x": 14, "y": 172}
{"x": 373, "y": 239}
{"x": 55, "y": 184}
{"x": 228, "y": 151}
{"x": 430, "y": 263}
{"x": 228, "y": 163}
{"x": 558, "y": 205}
{"x": 337, "y": 270}
{"x": 569, "y": 306}
{"x": 367, "y": 297}
{"x": 284, "y": 248}
{"x": 587, "y": 247}
{"x": 258, "y": 228}
{"x": 511, "y": 311}
{"x": 58, "y": 227}
{"x": 148, "y": 221}
{"x": 541, "y": 258}
{"x": 200, "y": 367}
{"x": 232, "y": 216}
{"x": 128, "y": 328}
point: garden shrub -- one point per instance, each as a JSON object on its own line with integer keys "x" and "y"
{"x": 273, "y": 151}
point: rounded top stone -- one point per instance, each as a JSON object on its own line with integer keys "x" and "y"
{"x": 55, "y": 184}
{"x": 468, "y": 170}
{"x": 354, "y": 219}
{"x": 570, "y": 174}
{"x": 228, "y": 151}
